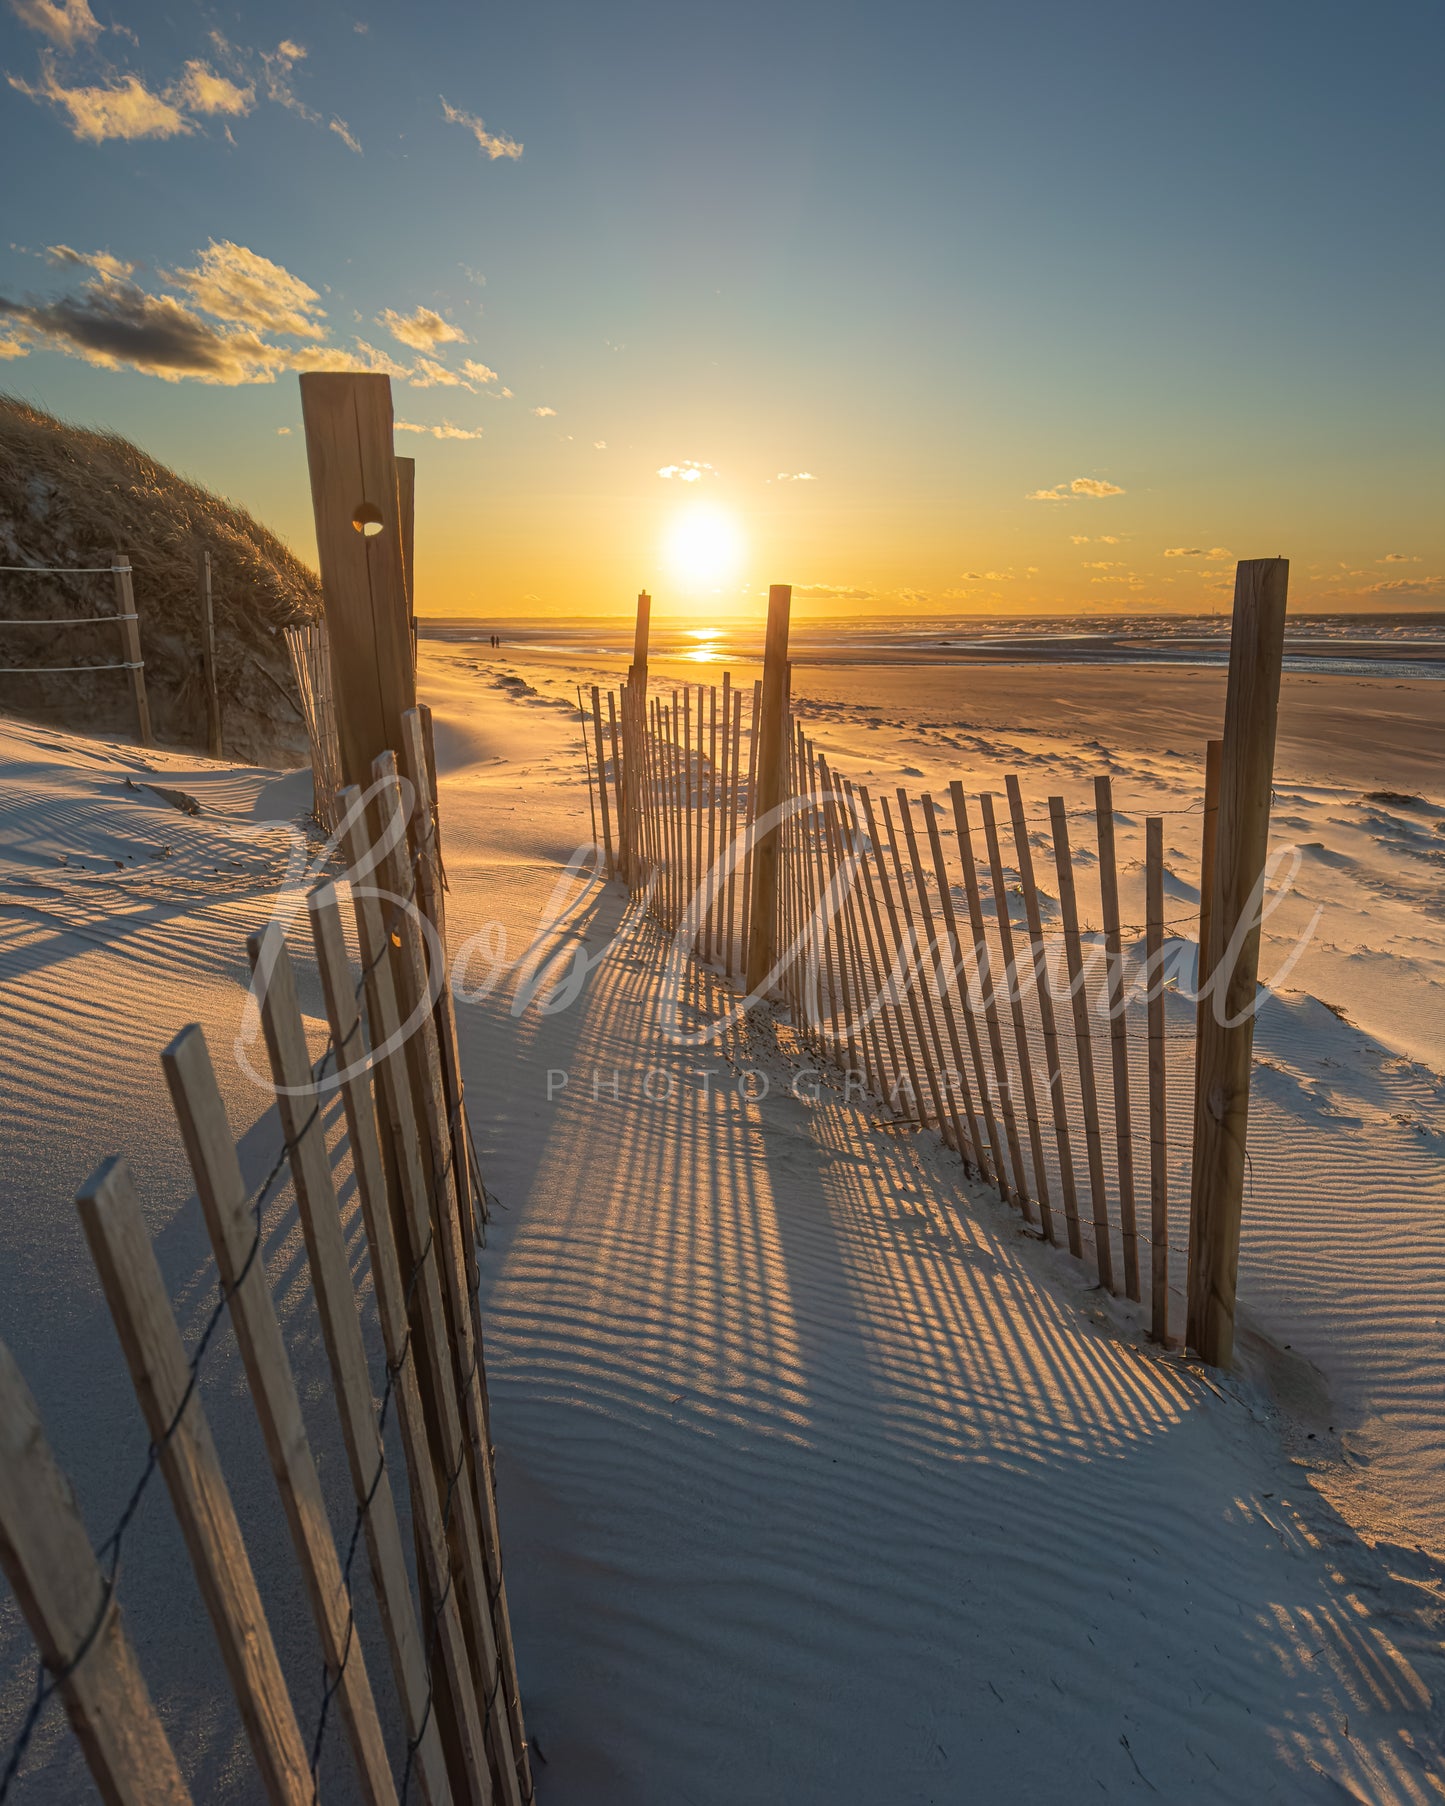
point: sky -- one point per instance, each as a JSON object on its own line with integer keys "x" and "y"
{"x": 919, "y": 307}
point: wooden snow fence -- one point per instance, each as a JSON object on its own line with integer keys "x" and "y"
{"x": 445, "y": 1648}
{"x": 966, "y": 958}
{"x": 310, "y": 649}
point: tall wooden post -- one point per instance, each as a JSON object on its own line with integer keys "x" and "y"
{"x": 406, "y": 510}
{"x": 772, "y": 782}
{"x": 214, "y": 744}
{"x": 362, "y": 555}
{"x": 1226, "y": 1041}
{"x": 130, "y": 645}
{"x": 639, "y": 639}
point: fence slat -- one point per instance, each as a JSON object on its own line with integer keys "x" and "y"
{"x": 1158, "y": 1102}
{"x": 236, "y": 1241}
{"x": 130, "y": 1276}
{"x": 1118, "y": 1028}
{"x": 300, "y": 1103}
{"x": 1058, "y": 1102}
{"x": 990, "y": 1173}
{"x": 1010, "y": 1184}
{"x": 508, "y": 1736}
{"x": 73, "y": 1617}
{"x": 1083, "y": 1041}
{"x": 1016, "y": 1012}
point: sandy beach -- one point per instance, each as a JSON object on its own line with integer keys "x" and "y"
{"x": 799, "y": 1435}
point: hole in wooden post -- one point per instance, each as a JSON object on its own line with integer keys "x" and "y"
{"x": 367, "y": 519}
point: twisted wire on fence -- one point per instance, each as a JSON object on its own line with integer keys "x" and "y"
{"x": 108, "y": 1554}
{"x": 54, "y": 570}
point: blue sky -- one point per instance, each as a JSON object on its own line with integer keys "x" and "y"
{"x": 994, "y": 307}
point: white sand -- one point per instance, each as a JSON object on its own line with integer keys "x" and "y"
{"x": 820, "y": 1482}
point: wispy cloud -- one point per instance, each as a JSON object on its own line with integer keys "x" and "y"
{"x": 479, "y": 373}
{"x": 492, "y": 144}
{"x": 1197, "y": 552}
{"x": 1098, "y": 539}
{"x": 1093, "y": 488}
{"x": 599, "y": 445}
{"x": 689, "y": 471}
{"x": 68, "y": 23}
{"x": 422, "y": 330}
{"x": 124, "y": 109}
{"x": 427, "y": 373}
{"x": 1405, "y": 586}
{"x": 545, "y": 413}
{"x": 1399, "y": 558}
{"x": 113, "y": 268}
{"x": 201, "y": 90}
{"x": 830, "y": 592}
{"x": 445, "y": 431}
{"x": 794, "y": 476}
{"x": 345, "y": 134}
{"x": 237, "y": 284}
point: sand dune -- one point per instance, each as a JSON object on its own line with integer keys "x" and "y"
{"x": 820, "y": 1480}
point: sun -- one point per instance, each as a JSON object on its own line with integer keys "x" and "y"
{"x": 703, "y": 547}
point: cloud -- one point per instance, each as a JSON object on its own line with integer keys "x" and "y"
{"x": 491, "y": 144}
{"x": 201, "y": 90}
{"x": 1398, "y": 558}
{"x": 1092, "y": 487}
{"x": 1197, "y": 552}
{"x": 1103, "y": 564}
{"x": 422, "y": 330}
{"x": 65, "y": 22}
{"x": 101, "y": 262}
{"x": 126, "y": 109}
{"x": 11, "y": 347}
{"x": 545, "y": 413}
{"x": 427, "y": 373}
{"x": 445, "y": 431}
{"x": 599, "y": 445}
{"x": 117, "y": 326}
{"x": 689, "y": 471}
{"x": 344, "y": 133}
{"x": 1405, "y": 586}
{"x": 830, "y": 592}
{"x": 283, "y": 432}
{"x": 479, "y": 373}
{"x": 240, "y": 285}
{"x": 797, "y": 476}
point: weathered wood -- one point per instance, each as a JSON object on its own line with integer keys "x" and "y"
{"x": 73, "y": 1614}
{"x": 772, "y": 778}
{"x": 904, "y": 948}
{"x": 1118, "y": 1029}
{"x": 236, "y": 1241}
{"x": 468, "y": 1760}
{"x": 602, "y": 782}
{"x": 890, "y": 961}
{"x": 640, "y": 635}
{"x": 619, "y": 787}
{"x": 1016, "y": 1013}
{"x": 130, "y": 651}
{"x": 1058, "y": 1101}
{"x": 130, "y": 1276}
{"x": 417, "y": 765}
{"x": 734, "y": 939}
{"x": 1083, "y": 1041}
{"x": 1226, "y": 1048}
{"x": 1158, "y": 1065}
{"x": 507, "y": 1734}
{"x": 299, "y": 1101}
{"x": 1010, "y": 1183}
{"x": 1209, "y": 831}
{"x": 421, "y": 1238}
{"x": 745, "y": 953}
{"x": 215, "y": 743}
{"x": 928, "y": 940}
{"x": 355, "y": 500}
{"x": 975, "y": 1050}
{"x": 406, "y": 516}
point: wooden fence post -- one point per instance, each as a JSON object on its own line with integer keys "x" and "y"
{"x": 1226, "y": 1044}
{"x": 130, "y": 645}
{"x": 406, "y": 514}
{"x": 359, "y": 542}
{"x": 639, "y": 640}
{"x": 772, "y": 780}
{"x": 1158, "y": 1101}
{"x": 214, "y": 744}
{"x": 47, "y": 1558}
